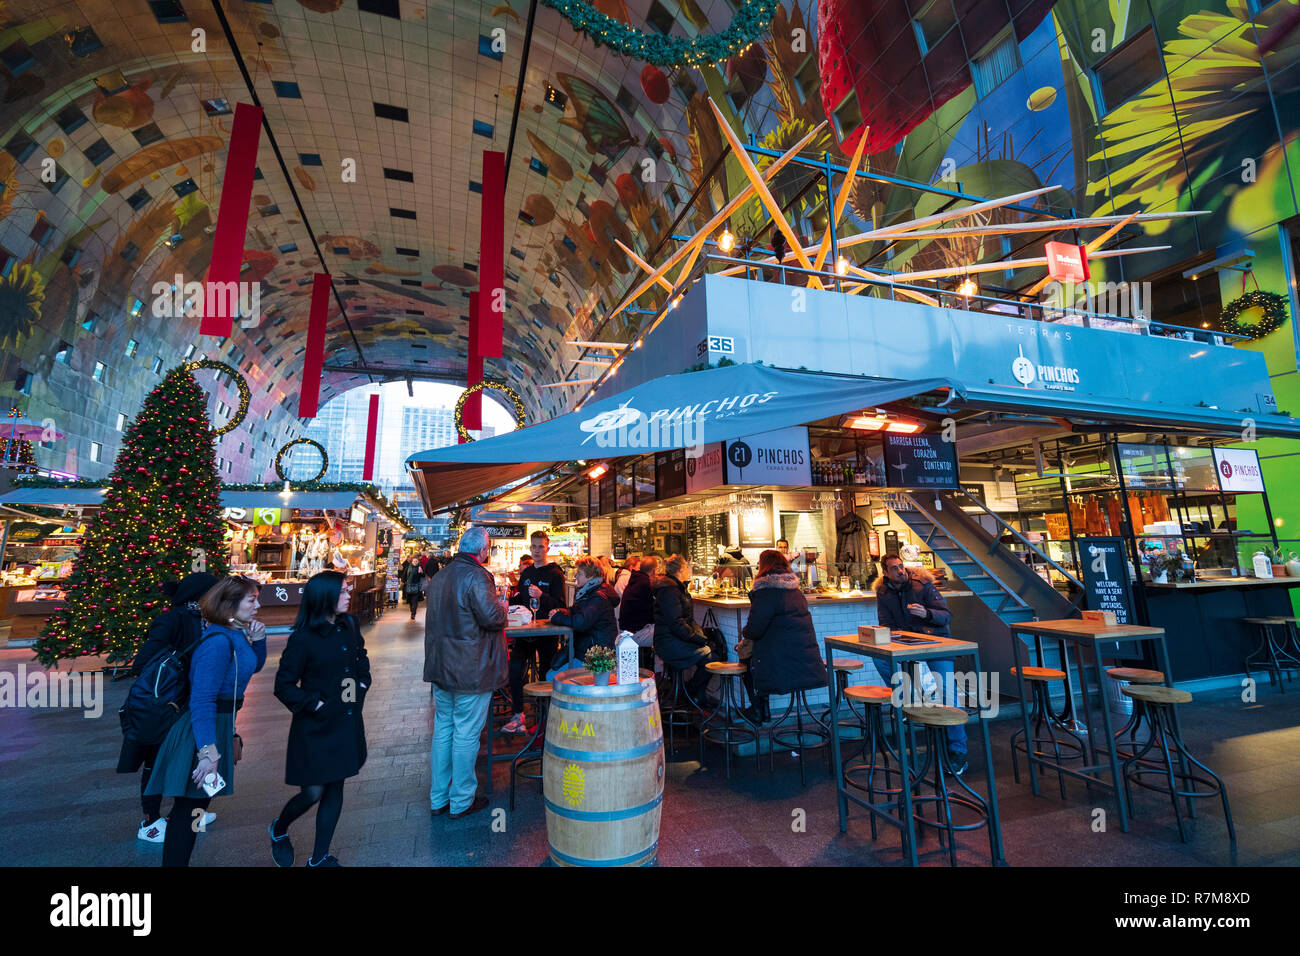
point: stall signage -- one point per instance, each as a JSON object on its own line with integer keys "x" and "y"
{"x": 1238, "y": 469}
{"x": 670, "y": 474}
{"x": 777, "y": 457}
{"x": 920, "y": 461}
{"x": 705, "y": 471}
{"x": 1067, "y": 262}
{"x": 1105, "y": 577}
{"x": 505, "y": 530}
{"x": 234, "y": 514}
{"x": 608, "y": 494}
{"x": 522, "y": 513}
{"x": 269, "y": 516}
{"x": 756, "y": 525}
{"x": 29, "y": 530}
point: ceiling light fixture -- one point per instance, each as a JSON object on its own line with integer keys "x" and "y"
{"x": 841, "y": 266}
{"x": 968, "y": 287}
{"x": 726, "y": 241}
{"x": 596, "y": 472}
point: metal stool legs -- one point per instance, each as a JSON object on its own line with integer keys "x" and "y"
{"x": 819, "y": 731}
{"x": 945, "y": 799}
{"x": 530, "y": 754}
{"x": 1058, "y": 736}
{"x": 731, "y": 733}
{"x": 1276, "y": 658}
{"x": 875, "y": 742}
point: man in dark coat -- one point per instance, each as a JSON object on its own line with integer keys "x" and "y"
{"x": 177, "y": 628}
{"x": 785, "y": 655}
{"x": 679, "y": 640}
{"x": 465, "y": 660}
{"x": 907, "y": 600}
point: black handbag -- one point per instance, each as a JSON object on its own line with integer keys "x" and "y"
{"x": 712, "y": 633}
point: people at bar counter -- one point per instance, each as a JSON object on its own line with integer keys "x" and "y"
{"x": 177, "y": 628}
{"x": 591, "y": 617}
{"x": 624, "y": 573}
{"x": 678, "y": 638}
{"x": 232, "y": 651}
{"x": 323, "y": 679}
{"x": 907, "y": 600}
{"x": 541, "y": 587}
{"x": 784, "y": 656}
{"x": 465, "y": 661}
{"x": 636, "y": 610}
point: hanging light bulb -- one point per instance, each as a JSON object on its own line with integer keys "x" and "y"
{"x": 968, "y": 287}
{"x": 726, "y": 241}
{"x": 841, "y": 266}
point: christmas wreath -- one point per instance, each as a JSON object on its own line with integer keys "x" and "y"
{"x": 753, "y": 17}
{"x": 245, "y": 393}
{"x": 324, "y": 458}
{"x": 1274, "y": 308}
{"x": 501, "y": 387}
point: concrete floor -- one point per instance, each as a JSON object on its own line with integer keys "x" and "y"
{"x": 62, "y": 804}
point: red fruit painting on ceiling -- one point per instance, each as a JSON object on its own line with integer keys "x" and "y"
{"x": 885, "y": 68}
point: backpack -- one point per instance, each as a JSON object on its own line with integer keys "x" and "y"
{"x": 158, "y": 696}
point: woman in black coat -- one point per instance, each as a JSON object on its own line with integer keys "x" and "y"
{"x": 785, "y": 657}
{"x": 592, "y": 614}
{"x": 323, "y": 679}
{"x": 679, "y": 641}
{"x": 177, "y": 628}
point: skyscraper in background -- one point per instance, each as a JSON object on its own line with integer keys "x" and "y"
{"x": 407, "y": 424}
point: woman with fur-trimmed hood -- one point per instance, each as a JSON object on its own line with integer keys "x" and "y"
{"x": 785, "y": 653}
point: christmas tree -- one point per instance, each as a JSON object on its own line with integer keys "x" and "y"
{"x": 161, "y": 519}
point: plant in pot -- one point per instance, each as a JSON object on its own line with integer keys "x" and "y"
{"x": 601, "y": 661}
{"x": 1278, "y": 558}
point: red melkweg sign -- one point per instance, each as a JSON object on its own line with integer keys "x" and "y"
{"x": 1066, "y": 262}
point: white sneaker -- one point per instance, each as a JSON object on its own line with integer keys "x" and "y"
{"x": 209, "y": 819}
{"x": 154, "y": 832}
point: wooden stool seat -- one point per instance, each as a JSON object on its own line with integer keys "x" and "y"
{"x": 1264, "y": 620}
{"x": 539, "y": 688}
{"x": 936, "y": 716}
{"x": 1039, "y": 673}
{"x": 846, "y": 664}
{"x": 868, "y": 693}
{"x": 725, "y": 667}
{"x": 1157, "y": 694}
{"x": 1135, "y": 675}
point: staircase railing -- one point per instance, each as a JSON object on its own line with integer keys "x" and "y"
{"x": 1009, "y": 594}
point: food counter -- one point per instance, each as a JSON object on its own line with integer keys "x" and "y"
{"x": 281, "y": 599}
{"x": 28, "y": 608}
{"x": 832, "y": 613}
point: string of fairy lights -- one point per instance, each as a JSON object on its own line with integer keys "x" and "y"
{"x": 520, "y": 415}
{"x": 245, "y": 393}
{"x": 324, "y": 458}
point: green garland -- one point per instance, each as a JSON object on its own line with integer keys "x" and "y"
{"x": 245, "y": 393}
{"x": 324, "y": 458}
{"x": 753, "y": 17}
{"x": 1273, "y": 305}
{"x": 459, "y": 417}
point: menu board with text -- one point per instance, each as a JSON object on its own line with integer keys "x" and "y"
{"x": 920, "y": 461}
{"x": 1105, "y": 577}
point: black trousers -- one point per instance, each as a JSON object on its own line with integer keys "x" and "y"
{"x": 525, "y": 649}
{"x": 152, "y": 805}
{"x": 182, "y": 829}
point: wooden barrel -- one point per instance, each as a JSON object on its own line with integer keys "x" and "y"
{"x": 603, "y": 771}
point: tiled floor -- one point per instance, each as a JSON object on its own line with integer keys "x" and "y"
{"x": 62, "y": 804}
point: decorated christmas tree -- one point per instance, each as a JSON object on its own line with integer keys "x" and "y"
{"x": 161, "y": 519}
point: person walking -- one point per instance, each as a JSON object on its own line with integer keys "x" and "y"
{"x": 323, "y": 679}
{"x": 177, "y": 628}
{"x": 465, "y": 661}
{"x": 413, "y": 586}
{"x": 232, "y": 651}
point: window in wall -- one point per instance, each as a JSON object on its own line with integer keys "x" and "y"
{"x": 189, "y": 350}
{"x": 90, "y": 321}
{"x": 121, "y": 421}
{"x": 23, "y": 382}
{"x": 100, "y": 371}
{"x": 132, "y": 346}
{"x": 7, "y": 261}
{"x": 96, "y": 451}
{"x": 848, "y": 115}
{"x": 137, "y": 306}
{"x": 63, "y": 353}
{"x": 807, "y": 79}
{"x": 40, "y": 230}
{"x": 933, "y": 23}
{"x": 1134, "y": 66}
{"x": 1258, "y": 6}
{"x": 994, "y": 67}
{"x": 157, "y": 364}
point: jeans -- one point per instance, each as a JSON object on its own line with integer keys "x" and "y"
{"x": 457, "y": 722}
{"x": 941, "y": 670}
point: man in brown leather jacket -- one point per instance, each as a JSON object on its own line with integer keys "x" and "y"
{"x": 465, "y": 660}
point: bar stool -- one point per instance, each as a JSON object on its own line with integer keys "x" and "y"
{"x": 539, "y": 691}
{"x": 936, "y": 721}
{"x": 1137, "y": 676}
{"x": 1041, "y": 716}
{"x": 780, "y": 733}
{"x": 843, "y": 667}
{"x": 730, "y": 734}
{"x": 1276, "y": 657}
{"x": 874, "y": 742}
{"x": 1158, "y": 711}
{"x": 672, "y": 712}
{"x": 1292, "y": 644}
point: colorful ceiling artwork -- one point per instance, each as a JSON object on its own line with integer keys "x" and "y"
{"x": 115, "y": 121}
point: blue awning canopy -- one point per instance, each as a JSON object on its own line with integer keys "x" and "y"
{"x": 676, "y": 411}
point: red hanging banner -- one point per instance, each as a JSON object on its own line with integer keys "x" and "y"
{"x": 372, "y": 433}
{"x": 232, "y": 221}
{"x": 314, "y": 358}
{"x": 492, "y": 260}
{"x": 471, "y": 415}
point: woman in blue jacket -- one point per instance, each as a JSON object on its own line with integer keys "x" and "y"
{"x": 202, "y": 741}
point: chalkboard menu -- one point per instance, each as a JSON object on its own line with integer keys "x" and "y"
{"x": 645, "y": 479}
{"x": 756, "y": 526}
{"x": 626, "y": 486}
{"x": 920, "y": 461}
{"x": 619, "y": 551}
{"x": 607, "y": 493}
{"x": 1105, "y": 577}
{"x": 670, "y": 474}
{"x": 704, "y": 535}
